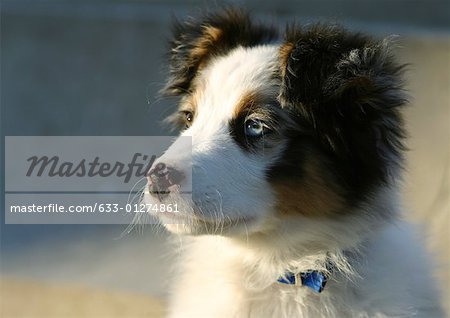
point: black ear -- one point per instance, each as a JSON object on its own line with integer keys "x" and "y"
{"x": 196, "y": 41}
{"x": 348, "y": 87}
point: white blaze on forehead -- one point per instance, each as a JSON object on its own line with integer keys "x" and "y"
{"x": 227, "y": 182}
{"x": 226, "y": 80}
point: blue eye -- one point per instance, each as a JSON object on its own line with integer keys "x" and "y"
{"x": 254, "y": 128}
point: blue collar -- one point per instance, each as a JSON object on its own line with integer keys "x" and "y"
{"x": 313, "y": 279}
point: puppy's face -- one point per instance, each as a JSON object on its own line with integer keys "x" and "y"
{"x": 301, "y": 128}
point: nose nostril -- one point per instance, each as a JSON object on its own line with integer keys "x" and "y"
{"x": 162, "y": 179}
{"x": 175, "y": 176}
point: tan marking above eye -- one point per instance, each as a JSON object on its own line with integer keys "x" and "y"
{"x": 248, "y": 101}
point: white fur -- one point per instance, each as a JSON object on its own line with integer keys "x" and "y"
{"x": 380, "y": 271}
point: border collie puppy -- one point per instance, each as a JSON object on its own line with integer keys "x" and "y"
{"x": 297, "y": 142}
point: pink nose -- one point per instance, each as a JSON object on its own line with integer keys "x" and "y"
{"x": 163, "y": 179}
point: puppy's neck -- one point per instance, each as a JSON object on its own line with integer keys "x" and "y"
{"x": 256, "y": 266}
{"x": 257, "y": 260}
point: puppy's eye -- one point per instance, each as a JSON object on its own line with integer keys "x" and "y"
{"x": 188, "y": 118}
{"x": 255, "y": 128}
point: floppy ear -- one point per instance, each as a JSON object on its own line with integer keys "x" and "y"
{"x": 196, "y": 41}
{"x": 349, "y": 89}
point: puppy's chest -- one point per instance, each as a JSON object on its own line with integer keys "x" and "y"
{"x": 222, "y": 286}
{"x": 228, "y": 296}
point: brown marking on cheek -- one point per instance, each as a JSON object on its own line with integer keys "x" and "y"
{"x": 313, "y": 195}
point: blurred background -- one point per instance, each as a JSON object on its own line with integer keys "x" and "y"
{"x": 94, "y": 68}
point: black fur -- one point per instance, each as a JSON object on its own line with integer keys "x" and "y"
{"x": 348, "y": 87}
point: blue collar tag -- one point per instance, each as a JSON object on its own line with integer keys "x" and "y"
{"x": 313, "y": 279}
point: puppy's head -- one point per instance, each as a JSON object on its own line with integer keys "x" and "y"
{"x": 299, "y": 126}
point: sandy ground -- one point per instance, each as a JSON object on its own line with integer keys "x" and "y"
{"x": 30, "y": 299}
